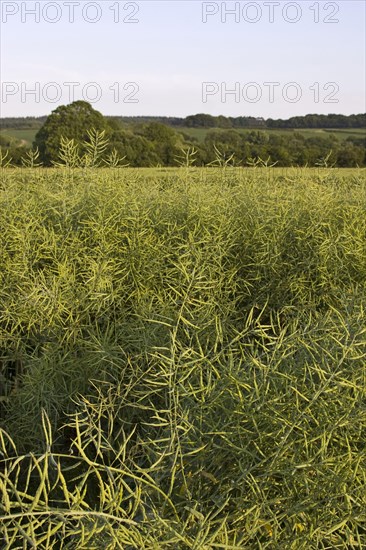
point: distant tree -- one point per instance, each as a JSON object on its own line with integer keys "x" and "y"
{"x": 258, "y": 137}
{"x": 166, "y": 142}
{"x": 350, "y": 156}
{"x": 69, "y": 121}
{"x": 137, "y": 149}
{"x": 5, "y": 141}
{"x": 201, "y": 121}
{"x": 360, "y": 141}
{"x": 229, "y": 142}
{"x": 14, "y": 149}
{"x": 224, "y": 122}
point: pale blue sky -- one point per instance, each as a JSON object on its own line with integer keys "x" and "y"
{"x": 170, "y": 53}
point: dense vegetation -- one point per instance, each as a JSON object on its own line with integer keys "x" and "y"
{"x": 203, "y": 120}
{"x": 309, "y": 121}
{"x": 149, "y": 141}
{"x": 183, "y": 358}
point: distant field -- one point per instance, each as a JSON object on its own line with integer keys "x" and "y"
{"x": 341, "y": 134}
{"x": 26, "y": 134}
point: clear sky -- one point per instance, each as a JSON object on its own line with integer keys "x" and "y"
{"x": 175, "y": 58}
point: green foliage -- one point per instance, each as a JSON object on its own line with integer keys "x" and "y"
{"x": 166, "y": 143}
{"x": 202, "y": 120}
{"x": 149, "y": 141}
{"x": 182, "y": 358}
{"x": 71, "y": 122}
{"x": 136, "y": 149}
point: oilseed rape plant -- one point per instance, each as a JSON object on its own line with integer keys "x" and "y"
{"x": 182, "y": 356}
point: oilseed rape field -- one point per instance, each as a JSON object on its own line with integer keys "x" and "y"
{"x": 182, "y": 358}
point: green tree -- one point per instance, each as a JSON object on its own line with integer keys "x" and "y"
{"x": 350, "y": 156}
{"x": 200, "y": 121}
{"x": 71, "y": 122}
{"x": 137, "y": 149}
{"x": 166, "y": 142}
{"x": 229, "y": 142}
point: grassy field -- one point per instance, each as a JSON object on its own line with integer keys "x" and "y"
{"x": 25, "y": 135}
{"x": 342, "y": 134}
{"x": 182, "y": 359}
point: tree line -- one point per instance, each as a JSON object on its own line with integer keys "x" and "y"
{"x": 203, "y": 120}
{"x": 149, "y": 142}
